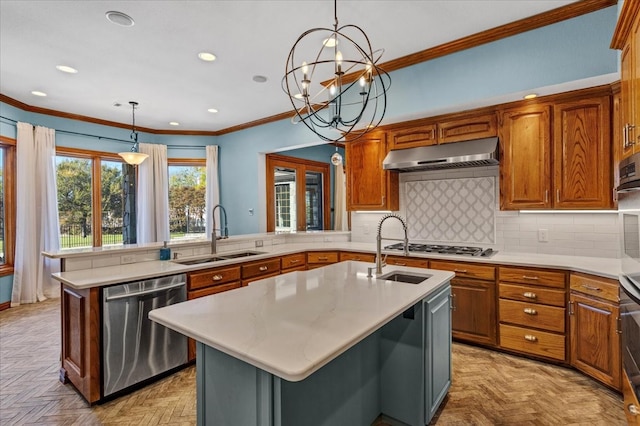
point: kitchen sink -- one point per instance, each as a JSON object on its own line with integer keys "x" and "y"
{"x": 198, "y": 261}
{"x": 404, "y": 277}
{"x": 241, "y": 254}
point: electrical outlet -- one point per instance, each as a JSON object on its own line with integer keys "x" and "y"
{"x": 327, "y": 239}
{"x": 543, "y": 235}
{"x": 258, "y": 243}
{"x": 128, "y": 258}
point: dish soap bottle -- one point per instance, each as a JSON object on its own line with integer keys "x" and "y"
{"x": 165, "y": 252}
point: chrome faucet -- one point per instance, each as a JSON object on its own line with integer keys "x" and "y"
{"x": 379, "y": 261}
{"x": 215, "y": 238}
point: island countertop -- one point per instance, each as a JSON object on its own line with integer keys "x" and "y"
{"x": 293, "y": 324}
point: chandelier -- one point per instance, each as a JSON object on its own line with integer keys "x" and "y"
{"x": 133, "y": 157}
{"x": 338, "y": 88}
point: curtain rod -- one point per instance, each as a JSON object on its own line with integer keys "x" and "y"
{"x": 14, "y": 122}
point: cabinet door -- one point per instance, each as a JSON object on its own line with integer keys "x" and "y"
{"x": 411, "y": 137}
{"x": 525, "y": 166}
{"x": 635, "y": 83}
{"x": 582, "y": 154}
{"x": 595, "y": 341}
{"x": 626, "y": 101}
{"x": 437, "y": 338}
{"x": 467, "y": 128}
{"x": 474, "y": 310}
{"x": 369, "y": 186}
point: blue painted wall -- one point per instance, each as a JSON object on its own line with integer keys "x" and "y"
{"x": 567, "y": 51}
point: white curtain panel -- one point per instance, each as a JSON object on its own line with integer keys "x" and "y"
{"x": 212, "y": 193}
{"x": 153, "y": 195}
{"x": 340, "y": 222}
{"x": 37, "y": 224}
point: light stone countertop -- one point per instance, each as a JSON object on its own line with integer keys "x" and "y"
{"x": 97, "y": 277}
{"x": 293, "y": 324}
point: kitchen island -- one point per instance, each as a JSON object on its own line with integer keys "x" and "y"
{"x": 320, "y": 347}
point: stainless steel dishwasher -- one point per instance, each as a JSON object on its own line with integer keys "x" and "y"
{"x": 134, "y": 348}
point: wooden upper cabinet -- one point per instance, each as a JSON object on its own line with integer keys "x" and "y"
{"x": 445, "y": 130}
{"x": 369, "y": 186}
{"x": 468, "y": 128}
{"x": 626, "y": 103}
{"x": 413, "y": 136}
{"x": 582, "y": 154}
{"x": 525, "y": 164}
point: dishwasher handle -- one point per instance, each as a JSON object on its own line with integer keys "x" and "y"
{"x": 142, "y": 293}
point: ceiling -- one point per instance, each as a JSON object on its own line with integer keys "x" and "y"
{"x": 155, "y": 62}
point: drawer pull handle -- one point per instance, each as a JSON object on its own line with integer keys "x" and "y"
{"x": 294, "y": 261}
{"x": 633, "y": 410}
{"x": 530, "y": 338}
{"x": 530, "y": 311}
{"x": 400, "y": 264}
{"x": 323, "y": 258}
{"x": 528, "y": 277}
{"x": 462, "y": 271}
{"x": 530, "y": 295}
{"x": 263, "y": 268}
{"x": 216, "y": 277}
{"x": 590, "y": 287}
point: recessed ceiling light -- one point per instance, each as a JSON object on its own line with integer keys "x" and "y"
{"x": 259, "y": 78}
{"x": 330, "y": 42}
{"x": 174, "y": 123}
{"x": 531, "y": 96}
{"x": 207, "y": 57}
{"x": 212, "y": 110}
{"x": 38, "y": 93}
{"x": 67, "y": 69}
{"x": 119, "y": 18}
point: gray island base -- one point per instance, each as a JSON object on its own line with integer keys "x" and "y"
{"x": 370, "y": 347}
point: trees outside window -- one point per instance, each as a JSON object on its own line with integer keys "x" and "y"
{"x": 187, "y": 210}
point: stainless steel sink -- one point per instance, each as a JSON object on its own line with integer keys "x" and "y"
{"x": 197, "y": 261}
{"x": 241, "y": 254}
{"x": 404, "y": 277}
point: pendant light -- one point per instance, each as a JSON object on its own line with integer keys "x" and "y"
{"x": 133, "y": 157}
{"x": 339, "y": 88}
{"x": 336, "y": 158}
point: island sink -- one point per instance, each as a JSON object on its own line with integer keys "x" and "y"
{"x": 404, "y": 277}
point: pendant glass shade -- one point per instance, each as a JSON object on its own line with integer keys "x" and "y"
{"x": 133, "y": 157}
{"x": 340, "y": 90}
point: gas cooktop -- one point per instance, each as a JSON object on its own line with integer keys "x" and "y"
{"x": 436, "y": 248}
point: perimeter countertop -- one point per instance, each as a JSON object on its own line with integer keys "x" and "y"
{"x": 96, "y": 277}
{"x": 293, "y": 324}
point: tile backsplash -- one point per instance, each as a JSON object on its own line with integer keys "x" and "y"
{"x": 577, "y": 234}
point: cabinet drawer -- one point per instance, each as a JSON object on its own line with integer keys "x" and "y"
{"x": 211, "y": 277}
{"x": 533, "y": 276}
{"x": 257, "y": 269}
{"x": 468, "y": 270}
{"x": 532, "y": 315}
{"x": 362, "y": 257}
{"x": 534, "y": 342}
{"x": 407, "y": 261}
{"x": 213, "y": 290}
{"x": 293, "y": 261}
{"x": 595, "y": 286}
{"x": 467, "y": 128}
{"x": 525, "y": 293}
{"x": 322, "y": 257}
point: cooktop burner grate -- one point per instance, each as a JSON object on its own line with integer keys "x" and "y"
{"x": 444, "y": 249}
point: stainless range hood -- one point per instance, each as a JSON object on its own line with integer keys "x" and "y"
{"x": 479, "y": 152}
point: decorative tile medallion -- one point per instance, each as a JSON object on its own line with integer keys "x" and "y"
{"x": 452, "y": 210}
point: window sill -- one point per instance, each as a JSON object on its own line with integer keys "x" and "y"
{"x": 6, "y": 270}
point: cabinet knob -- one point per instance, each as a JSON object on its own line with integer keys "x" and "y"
{"x": 530, "y": 311}
{"x": 263, "y": 268}
{"x": 530, "y": 338}
{"x": 216, "y": 277}
{"x": 530, "y": 295}
{"x": 633, "y": 410}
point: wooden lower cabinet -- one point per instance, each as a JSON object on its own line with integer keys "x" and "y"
{"x": 254, "y": 271}
{"x": 317, "y": 259}
{"x": 81, "y": 331}
{"x": 360, "y": 257}
{"x": 531, "y": 311}
{"x": 413, "y": 262}
{"x": 473, "y": 301}
{"x": 631, "y": 404}
{"x": 293, "y": 262}
{"x": 595, "y": 329}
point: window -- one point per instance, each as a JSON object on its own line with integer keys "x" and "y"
{"x": 90, "y": 198}
{"x": 7, "y": 204}
{"x": 187, "y": 210}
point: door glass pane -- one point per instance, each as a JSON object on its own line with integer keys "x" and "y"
{"x": 2, "y": 182}
{"x": 187, "y": 215}
{"x": 74, "y": 201}
{"x": 313, "y": 200}
{"x": 285, "y": 193}
{"x": 112, "y": 201}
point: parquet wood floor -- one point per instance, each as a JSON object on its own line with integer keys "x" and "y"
{"x": 489, "y": 388}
